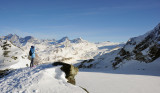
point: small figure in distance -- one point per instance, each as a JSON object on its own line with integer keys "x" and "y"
{"x": 32, "y": 54}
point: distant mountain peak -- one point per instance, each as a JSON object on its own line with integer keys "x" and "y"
{"x": 78, "y": 40}
{"x": 29, "y": 37}
{"x": 15, "y": 36}
{"x": 63, "y": 39}
{"x": 9, "y": 35}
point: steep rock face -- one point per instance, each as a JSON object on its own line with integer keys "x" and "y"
{"x": 145, "y": 48}
{"x": 82, "y": 64}
{"x": 69, "y": 70}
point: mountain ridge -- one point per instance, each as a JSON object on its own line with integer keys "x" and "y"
{"x": 60, "y": 50}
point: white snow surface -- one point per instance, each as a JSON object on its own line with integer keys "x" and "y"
{"x": 118, "y": 83}
{"x": 131, "y": 77}
{"x": 41, "y": 79}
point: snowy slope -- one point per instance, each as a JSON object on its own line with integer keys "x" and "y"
{"x": 143, "y": 48}
{"x": 42, "y": 79}
{"x": 107, "y": 47}
{"x": 101, "y": 61}
{"x": 11, "y": 56}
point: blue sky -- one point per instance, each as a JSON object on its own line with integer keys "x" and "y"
{"x": 93, "y": 20}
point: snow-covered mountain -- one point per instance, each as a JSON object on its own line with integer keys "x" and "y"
{"x": 65, "y": 50}
{"x": 12, "y": 56}
{"x": 144, "y": 48}
{"x": 19, "y": 41}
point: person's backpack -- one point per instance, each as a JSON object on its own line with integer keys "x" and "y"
{"x": 30, "y": 53}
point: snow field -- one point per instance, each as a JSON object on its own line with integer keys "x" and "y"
{"x": 118, "y": 83}
{"x": 42, "y": 79}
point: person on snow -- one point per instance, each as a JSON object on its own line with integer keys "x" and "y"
{"x": 32, "y": 54}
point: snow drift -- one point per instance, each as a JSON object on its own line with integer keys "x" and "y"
{"x": 42, "y": 79}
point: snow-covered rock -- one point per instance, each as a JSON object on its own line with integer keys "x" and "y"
{"x": 70, "y": 71}
{"x": 144, "y": 48}
{"x": 12, "y": 56}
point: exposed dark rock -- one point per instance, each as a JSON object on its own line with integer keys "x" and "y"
{"x": 82, "y": 64}
{"x": 85, "y": 89}
{"x": 4, "y": 72}
{"x": 13, "y": 57}
{"x": 69, "y": 70}
{"x": 90, "y": 60}
{"x": 5, "y": 53}
{"x": 154, "y": 52}
{"x": 5, "y": 45}
{"x": 123, "y": 52}
{"x": 65, "y": 59}
{"x": 117, "y": 61}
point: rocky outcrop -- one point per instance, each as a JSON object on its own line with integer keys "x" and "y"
{"x": 69, "y": 70}
{"x": 145, "y": 48}
{"x": 4, "y": 72}
{"x": 86, "y": 64}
